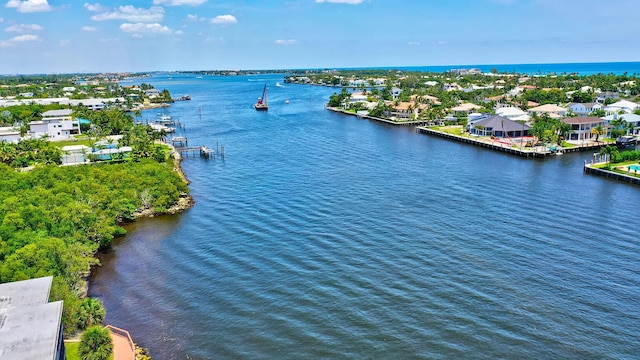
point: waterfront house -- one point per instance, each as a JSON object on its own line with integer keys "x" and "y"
{"x": 584, "y": 108}
{"x": 404, "y": 110}
{"x": 581, "y": 127}
{"x": 554, "y": 111}
{"x": 632, "y": 120}
{"x": 498, "y": 126}
{"x": 357, "y": 97}
{"x": 30, "y": 325}
{"x": 152, "y": 93}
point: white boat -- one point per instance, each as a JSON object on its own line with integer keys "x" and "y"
{"x": 286, "y": 101}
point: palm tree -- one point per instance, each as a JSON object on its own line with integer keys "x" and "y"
{"x": 597, "y": 131}
{"x": 91, "y": 313}
{"x": 95, "y": 344}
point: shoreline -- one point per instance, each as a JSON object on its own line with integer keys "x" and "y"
{"x": 183, "y": 203}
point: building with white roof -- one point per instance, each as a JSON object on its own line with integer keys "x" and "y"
{"x": 622, "y": 105}
{"x": 56, "y": 124}
{"x": 30, "y": 326}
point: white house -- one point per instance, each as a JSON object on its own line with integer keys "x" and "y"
{"x": 554, "y": 111}
{"x": 512, "y": 113}
{"x": 9, "y": 134}
{"x": 622, "y": 105}
{"x": 56, "y": 124}
{"x": 584, "y": 108}
{"x": 632, "y": 119}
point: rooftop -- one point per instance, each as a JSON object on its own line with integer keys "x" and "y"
{"x": 29, "y": 324}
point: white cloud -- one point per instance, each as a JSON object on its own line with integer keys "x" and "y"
{"x": 22, "y": 28}
{"x": 179, "y": 2}
{"x": 107, "y": 40}
{"x": 286, "y": 42}
{"x": 224, "y": 20}
{"x": 179, "y": 32}
{"x": 89, "y": 28}
{"x": 414, "y": 43}
{"x": 131, "y": 13}
{"x": 136, "y": 35}
{"x": 191, "y": 17}
{"x": 26, "y": 37}
{"x": 64, "y": 43}
{"x": 154, "y": 28}
{"x": 1, "y": 19}
{"x": 441, "y": 42}
{"x": 29, "y": 6}
{"x": 352, "y": 2}
{"x": 95, "y": 7}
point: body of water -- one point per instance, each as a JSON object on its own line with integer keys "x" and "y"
{"x": 617, "y": 68}
{"x": 322, "y": 235}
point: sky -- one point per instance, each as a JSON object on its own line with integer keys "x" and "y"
{"x": 71, "y": 36}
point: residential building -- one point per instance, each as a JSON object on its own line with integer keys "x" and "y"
{"x": 499, "y": 126}
{"x": 554, "y": 111}
{"x": 581, "y": 127}
{"x": 604, "y": 95}
{"x": 464, "y": 109}
{"x": 632, "y": 121}
{"x": 55, "y": 124}
{"x": 9, "y": 134}
{"x": 621, "y": 106}
{"x": 584, "y": 108}
{"x": 30, "y": 325}
{"x": 513, "y": 113}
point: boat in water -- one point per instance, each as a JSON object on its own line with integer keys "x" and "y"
{"x": 286, "y": 101}
{"x": 262, "y": 101}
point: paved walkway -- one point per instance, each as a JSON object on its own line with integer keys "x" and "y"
{"x": 123, "y": 348}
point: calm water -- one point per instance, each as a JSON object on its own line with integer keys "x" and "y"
{"x": 326, "y": 236}
{"x": 617, "y": 68}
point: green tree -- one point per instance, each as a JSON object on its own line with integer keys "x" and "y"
{"x": 91, "y": 312}
{"x": 95, "y": 344}
{"x": 597, "y": 131}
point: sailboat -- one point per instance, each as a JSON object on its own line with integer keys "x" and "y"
{"x": 262, "y": 101}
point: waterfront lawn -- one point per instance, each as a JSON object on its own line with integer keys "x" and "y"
{"x": 452, "y": 129}
{"x": 619, "y": 168}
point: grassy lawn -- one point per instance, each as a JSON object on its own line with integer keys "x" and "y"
{"x": 617, "y": 168}
{"x": 81, "y": 141}
{"x": 453, "y": 129}
{"x": 71, "y": 349}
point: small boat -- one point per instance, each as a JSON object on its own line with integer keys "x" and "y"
{"x": 262, "y": 101}
{"x": 286, "y": 101}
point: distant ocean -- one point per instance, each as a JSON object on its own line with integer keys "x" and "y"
{"x": 617, "y": 68}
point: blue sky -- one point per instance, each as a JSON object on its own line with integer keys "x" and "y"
{"x": 60, "y": 36}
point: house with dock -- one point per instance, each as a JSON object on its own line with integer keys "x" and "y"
{"x": 581, "y": 127}
{"x": 500, "y": 127}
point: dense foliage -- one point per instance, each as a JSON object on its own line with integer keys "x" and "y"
{"x": 53, "y": 219}
{"x": 29, "y": 152}
{"x": 95, "y": 344}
